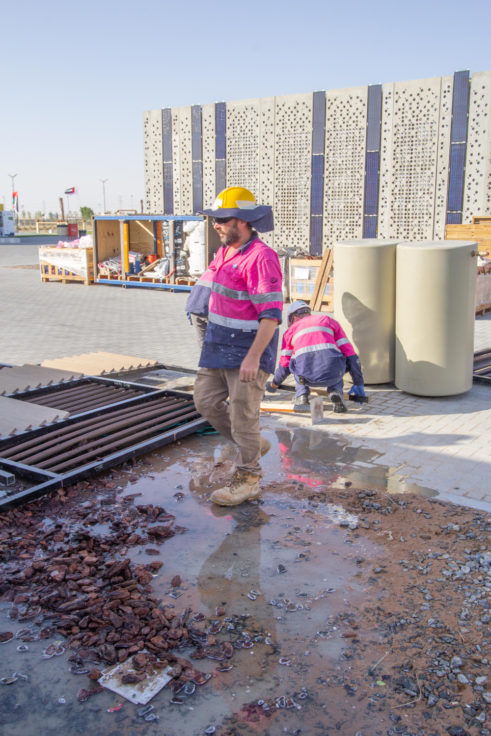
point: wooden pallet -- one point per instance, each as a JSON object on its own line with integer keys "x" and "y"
{"x": 52, "y": 264}
{"x": 480, "y": 232}
{"x": 320, "y": 301}
{"x": 53, "y": 273}
{"x": 104, "y": 273}
{"x": 304, "y": 286}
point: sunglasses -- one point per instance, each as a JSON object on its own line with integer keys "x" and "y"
{"x": 221, "y": 220}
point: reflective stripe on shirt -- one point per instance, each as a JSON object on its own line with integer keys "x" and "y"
{"x": 315, "y": 328}
{"x": 273, "y": 296}
{"x": 231, "y": 293}
{"x": 235, "y": 324}
{"x": 316, "y": 349}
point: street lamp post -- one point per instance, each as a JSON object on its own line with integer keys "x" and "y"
{"x": 103, "y": 182}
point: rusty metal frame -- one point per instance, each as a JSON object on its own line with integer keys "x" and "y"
{"x": 46, "y": 480}
{"x": 481, "y": 371}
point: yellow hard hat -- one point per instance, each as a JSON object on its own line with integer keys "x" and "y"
{"x": 239, "y": 202}
{"x": 235, "y": 198}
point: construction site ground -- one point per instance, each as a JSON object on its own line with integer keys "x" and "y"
{"x": 352, "y": 598}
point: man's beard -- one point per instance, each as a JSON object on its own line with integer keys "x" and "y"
{"x": 232, "y": 236}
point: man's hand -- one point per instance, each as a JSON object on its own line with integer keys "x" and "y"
{"x": 249, "y": 368}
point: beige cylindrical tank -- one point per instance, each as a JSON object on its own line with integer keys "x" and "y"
{"x": 364, "y": 302}
{"x": 435, "y": 312}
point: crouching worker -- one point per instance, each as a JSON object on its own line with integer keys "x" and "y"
{"x": 241, "y": 339}
{"x": 316, "y": 351}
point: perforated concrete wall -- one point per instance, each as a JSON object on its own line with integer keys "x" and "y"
{"x": 477, "y": 190}
{"x": 344, "y": 178}
{"x": 415, "y": 128}
{"x": 398, "y": 160}
{"x": 153, "y": 150}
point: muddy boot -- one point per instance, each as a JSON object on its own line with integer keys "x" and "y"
{"x": 242, "y": 487}
{"x": 301, "y": 403}
{"x": 338, "y": 403}
{"x": 265, "y": 446}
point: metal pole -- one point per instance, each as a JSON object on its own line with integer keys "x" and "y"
{"x": 103, "y": 182}
{"x": 12, "y": 177}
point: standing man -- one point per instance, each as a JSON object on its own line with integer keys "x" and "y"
{"x": 241, "y": 340}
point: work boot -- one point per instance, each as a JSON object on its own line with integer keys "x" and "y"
{"x": 265, "y": 446}
{"x": 338, "y": 403}
{"x": 243, "y": 486}
{"x": 301, "y": 403}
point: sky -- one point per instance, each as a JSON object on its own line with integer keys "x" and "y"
{"x": 77, "y": 77}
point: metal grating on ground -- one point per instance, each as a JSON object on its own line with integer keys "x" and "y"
{"x": 482, "y": 366}
{"x": 96, "y": 440}
{"x": 83, "y": 395}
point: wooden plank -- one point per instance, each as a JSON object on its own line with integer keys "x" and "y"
{"x": 322, "y": 279}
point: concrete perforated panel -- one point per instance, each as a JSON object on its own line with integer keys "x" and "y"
{"x": 266, "y": 145}
{"x": 410, "y": 133}
{"x": 153, "y": 161}
{"x": 477, "y": 187}
{"x": 182, "y": 160}
{"x": 208, "y": 155}
{"x": 293, "y": 154}
{"x": 346, "y": 126}
{"x": 250, "y": 149}
{"x": 243, "y": 144}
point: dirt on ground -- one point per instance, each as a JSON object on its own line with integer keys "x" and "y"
{"x": 415, "y": 653}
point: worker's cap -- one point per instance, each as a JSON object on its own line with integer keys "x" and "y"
{"x": 297, "y": 308}
{"x": 241, "y": 203}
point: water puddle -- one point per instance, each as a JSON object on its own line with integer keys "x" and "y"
{"x": 284, "y": 570}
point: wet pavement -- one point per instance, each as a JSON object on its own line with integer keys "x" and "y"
{"x": 281, "y": 579}
{"x": 282, "y": 570}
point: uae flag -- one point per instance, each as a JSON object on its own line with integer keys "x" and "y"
{"x": 70, "y": 190}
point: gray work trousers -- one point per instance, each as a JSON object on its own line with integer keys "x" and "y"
{"x": 237, "y": 419}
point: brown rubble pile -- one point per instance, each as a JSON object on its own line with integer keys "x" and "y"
{"x": 87, "y": 589}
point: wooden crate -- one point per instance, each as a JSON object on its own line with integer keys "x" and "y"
{"x": 480, "y": 232}
{"x": 483, "y": 289}
{"x": 304, "y": 273}
{"x": 67, "y": 265}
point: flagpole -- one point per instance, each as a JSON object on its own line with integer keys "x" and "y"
{"x": 12, "y": 177}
